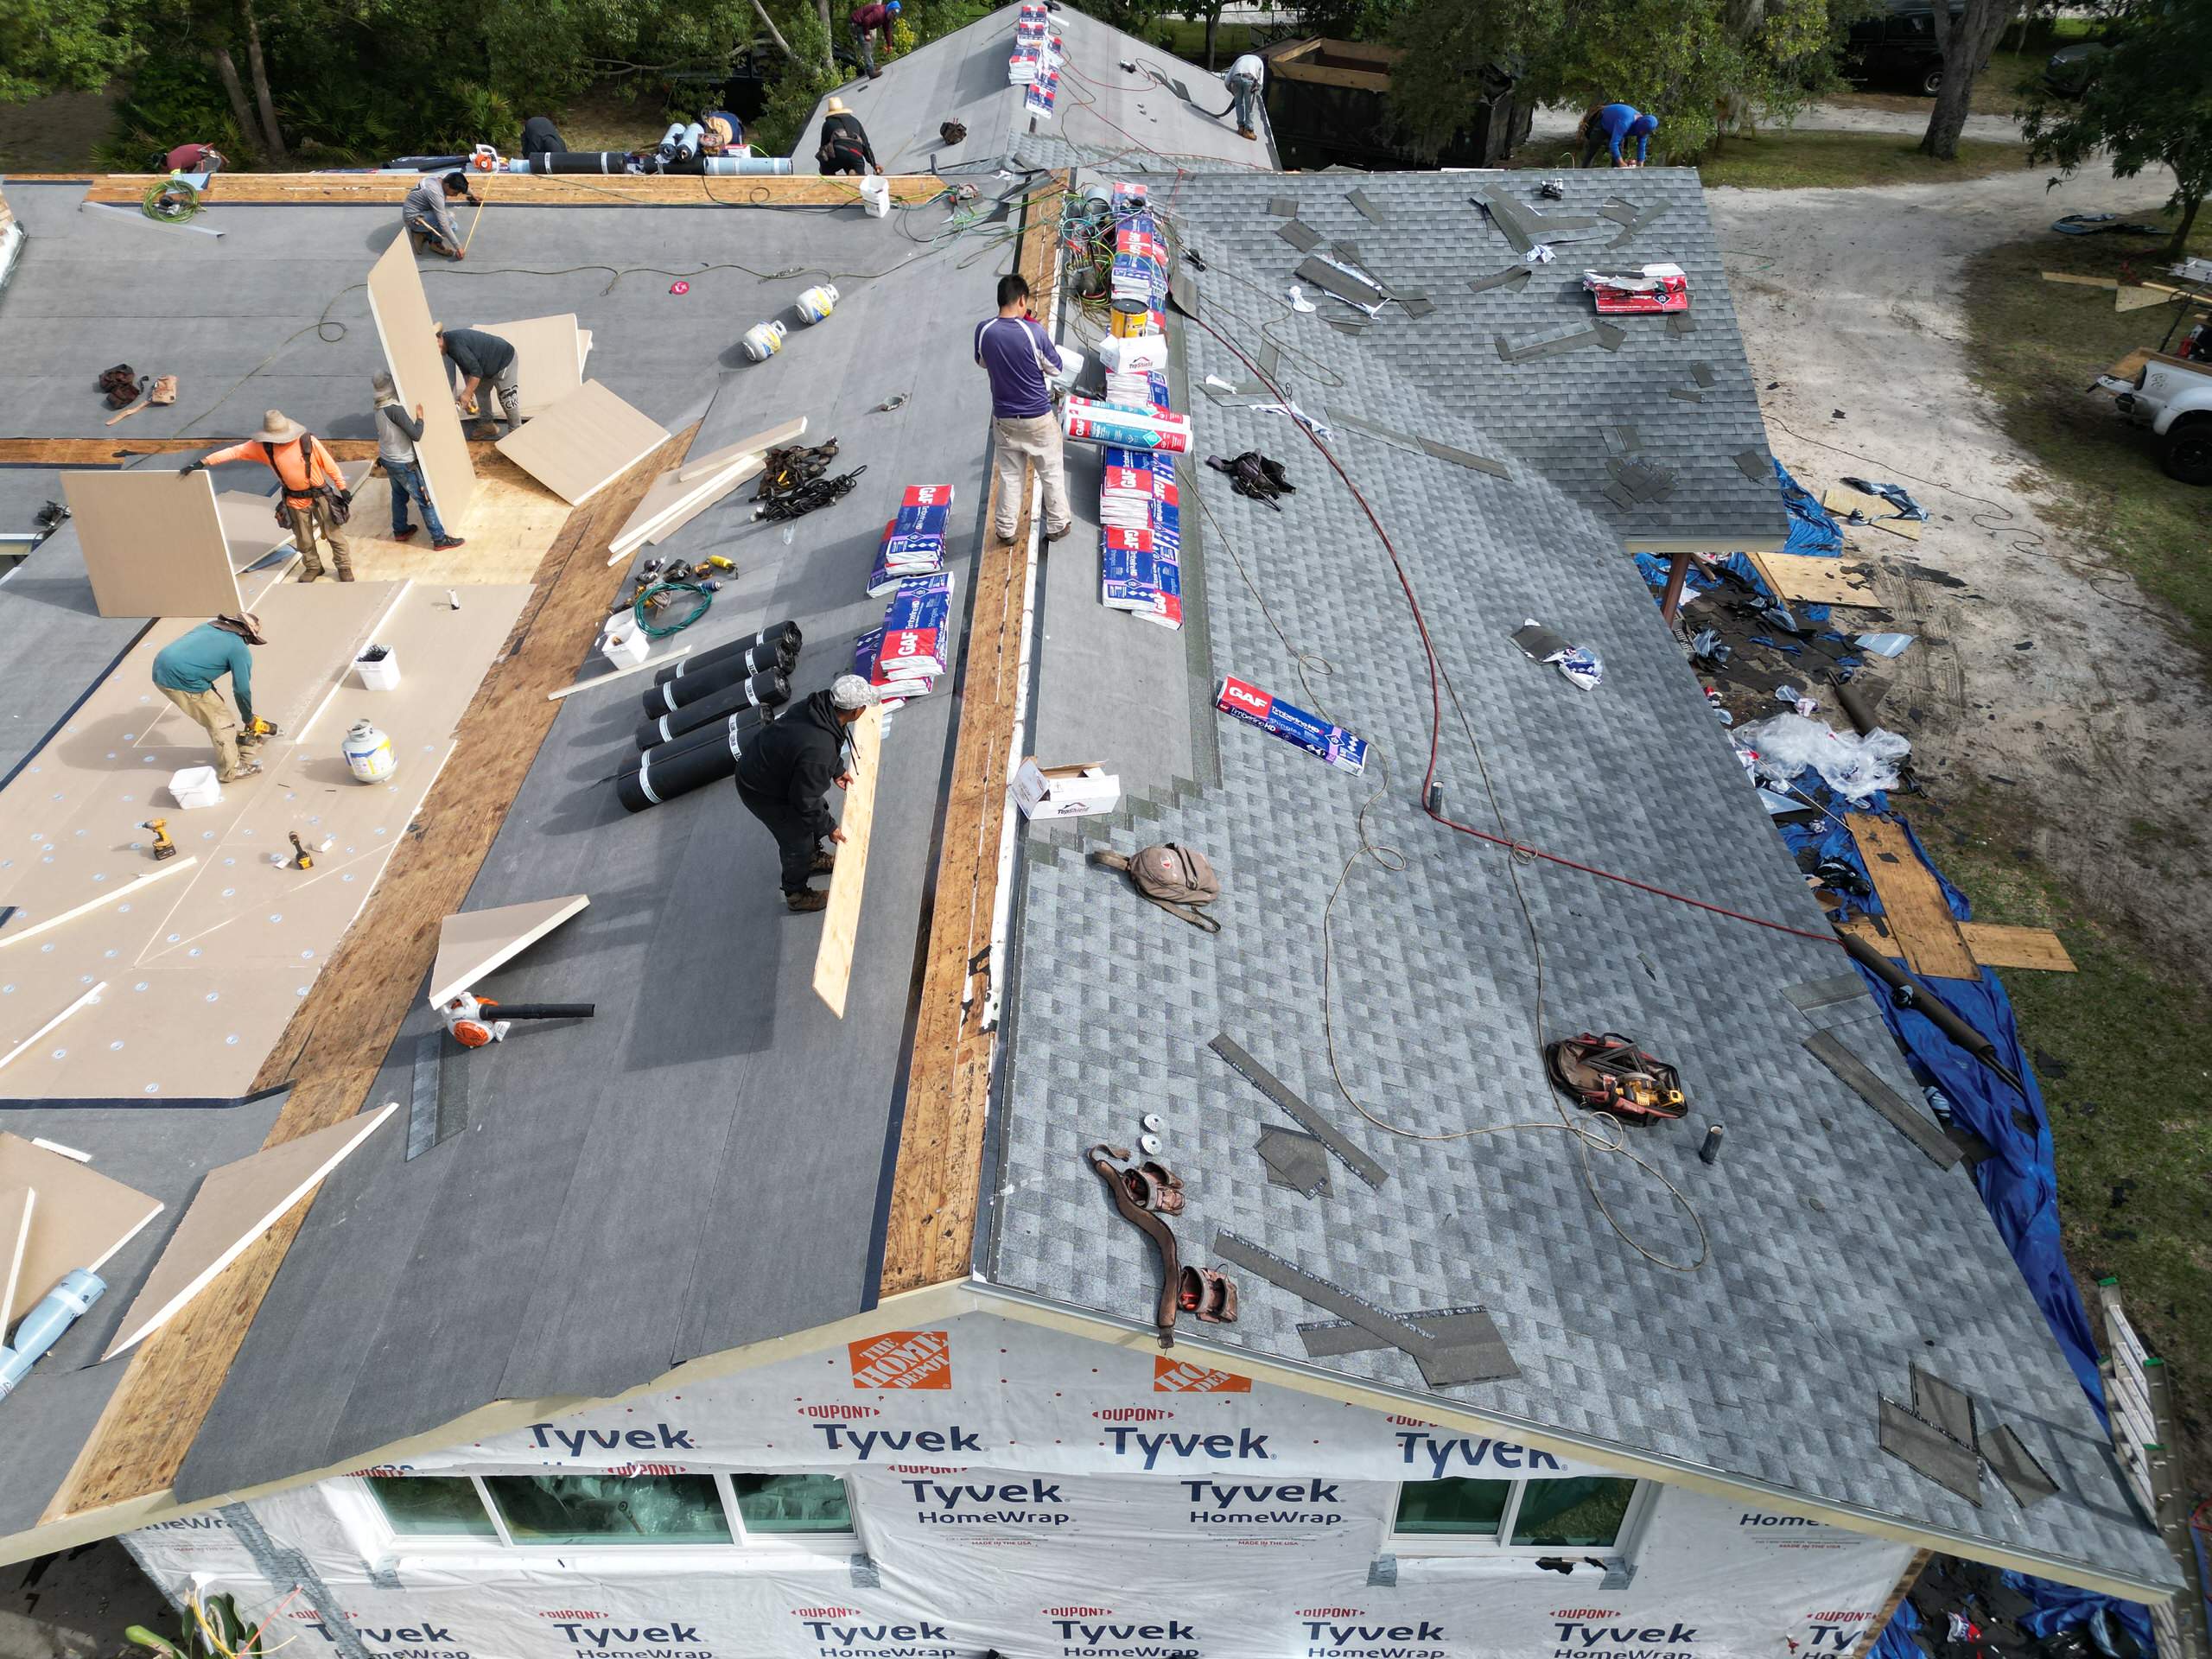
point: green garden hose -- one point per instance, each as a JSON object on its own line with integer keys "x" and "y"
{"x": 640, "y": 609}
{"x": 171, "y": 201}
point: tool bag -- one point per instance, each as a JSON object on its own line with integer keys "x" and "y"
{"x": 120, "y": 385}
{"x": 1178, "y": 879}
{"x": 164, "y": 390}
{"x": 340, "y": 502}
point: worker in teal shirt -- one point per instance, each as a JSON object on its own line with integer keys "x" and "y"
{"x": 185, "y": 670}
{"x": 1608, "y": 124}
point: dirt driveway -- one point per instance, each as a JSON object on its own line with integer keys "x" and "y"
{"x": 2041, "y": 671}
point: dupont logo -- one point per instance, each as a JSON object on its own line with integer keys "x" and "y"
{"x": 825, "y": 1612}
{"x": 1329, "y": 1612}
{"x": 585, "y": 1614}
{"x": 1133, "y": 1413}
{"x": 1181, "y": 1376}
{"x": 839, "y": 1414}
{"x": 629, "y": 1470}
{"x": 385, "y": 1472}
{"x": 1078, "y": 1612}
{"x": 1835, "y": 1619}
{"x": 903, "y": 1359}
{"x": 1586, "y": 1612}
{"x": 927, "y": 1468}
{"x": 1409, "y": 1422}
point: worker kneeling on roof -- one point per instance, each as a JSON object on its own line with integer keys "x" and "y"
{"x": 185, "y": 670}
{"x": 784, "y": 775}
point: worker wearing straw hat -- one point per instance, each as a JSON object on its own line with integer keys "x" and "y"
{"x": 845, "y": 147}
{"x": 316, "y": 500}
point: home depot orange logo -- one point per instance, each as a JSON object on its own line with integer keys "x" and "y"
{"x": 903, "y": 1359}
{"x": 1181, "y": 1376}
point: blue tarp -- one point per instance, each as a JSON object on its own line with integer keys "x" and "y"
{"x": 1896, "y": 1640}
{"x": 2061, "y": 1607}
{"x": 1811, "y": 528}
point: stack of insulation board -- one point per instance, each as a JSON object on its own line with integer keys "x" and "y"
{"x": 913, "y": 542}
{"x": 1139, "y": 537}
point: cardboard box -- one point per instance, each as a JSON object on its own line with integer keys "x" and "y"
{"x": 1065, "y": 792}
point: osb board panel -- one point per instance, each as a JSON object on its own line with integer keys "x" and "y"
{"x": 340, "y": 1036}
{"x": 512, "y": 521}
{"x": 82, "y": 1217}
{"x": 583, "y": 443}
{"x": 474, "y": 943}
{"x": 1993, "y": 944}
{"x": 930, "y": 1230}
{"x": 420, "y": 370}
{"x": 236, "y": 1204}
{"x": 1843, "y": 500}
{"x": 530, "y": 190}
{"x": 548, "y": 363}
{"x": 153, "y": 543}
{"x": 208, "y": 970}
{"x": 1912, "y": 902}
{"x": 841, "y": 922}
{"x": 1815, "y": 580}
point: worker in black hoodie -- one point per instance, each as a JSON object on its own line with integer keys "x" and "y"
{"x": 785, "y": 773}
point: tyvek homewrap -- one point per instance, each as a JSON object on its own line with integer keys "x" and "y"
{"x": 1052, "y": 1498}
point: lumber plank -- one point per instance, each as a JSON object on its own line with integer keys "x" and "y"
{"x": 841, "y": 921}
{"x": 1808, "y": 579}
{"x": 105, "y": 452}
{"x": 2130, "y": 366}
{"x": 929, "y": 1235}
{"x": 759, "y": 444}
{"x": 526, "y": 189}
{"x": 1920, "y": 921}
{"x": 661, "y": 661}
{"x": 2073, "y": 280}
{"x": 342, "y": 1029}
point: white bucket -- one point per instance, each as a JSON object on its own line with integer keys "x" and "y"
{"x": 368, "y": 753}
{"x": 195, "y": 786}
{"x": 875, "y": 197}
{"x": 377, "y": 672}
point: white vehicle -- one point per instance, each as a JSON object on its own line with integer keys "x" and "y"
{"x": 2173, "y": 395}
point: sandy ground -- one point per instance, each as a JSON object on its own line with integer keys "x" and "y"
{"x": 2040, "y": 671}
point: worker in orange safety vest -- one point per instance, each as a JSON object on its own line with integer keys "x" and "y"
{"x": 315, "y": 500}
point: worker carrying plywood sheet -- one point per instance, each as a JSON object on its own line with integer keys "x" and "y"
{"x": 784, "y": 776}
{"x": 185, "y": 671}
{"x": 315, "y": 500}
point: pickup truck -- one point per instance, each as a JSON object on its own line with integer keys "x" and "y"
{"x": 2173, "y": 395}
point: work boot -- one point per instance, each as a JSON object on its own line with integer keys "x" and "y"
{"x": 406, "y": 535}
{"x": 444, "y": 543}
{"x": 805, "y": 900}
{"x": 824, "y": 863}
{"x": 345, "y": 570}
{"x": 310, "y": 571}
{"x": 1056, "y": 534}
{"x": 1246, "y": 132}
{"x": 875, "y": 74}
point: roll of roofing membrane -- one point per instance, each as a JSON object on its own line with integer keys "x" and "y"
{"x": 776, "y": 646}
{"x": 676, "y": 768}
{"x": 770, "y": 689}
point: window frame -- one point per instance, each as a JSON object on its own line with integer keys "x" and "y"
{"x": 1448, "y": 1543}
{"x": 396, "y": 1542}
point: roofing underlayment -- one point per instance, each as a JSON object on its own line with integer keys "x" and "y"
{"x": 1420, "y": 987}
{"x": 1164, "y": 115}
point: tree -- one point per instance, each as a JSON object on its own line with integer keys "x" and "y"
{"x": 1966, "y": 42}
{"x": 2149, "y": 105}
{"x": 60, "y": 46}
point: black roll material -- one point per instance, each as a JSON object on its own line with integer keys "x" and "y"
{"x": 784, "y": 636}
{"x": 731, "y": 670}
{"x": 543, "y": 1010}
{"x": 673, "y": 769}
{"x": 769, "y": 688}
{"x": 739, "y": 726}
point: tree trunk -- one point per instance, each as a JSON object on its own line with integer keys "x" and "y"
{"x": 2178, "y": 248}
{"x": 1213, "y": 29}
{"x": 774, "y": 34}
{"x": 259, "y": 70}
{"x": 829, "y": 39}
{"x": 1966, "y": 45}
{"x": 226, "y": 71}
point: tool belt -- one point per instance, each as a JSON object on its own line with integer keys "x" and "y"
{"x": 289, "y": 500}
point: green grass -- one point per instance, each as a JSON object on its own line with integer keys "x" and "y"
{"x": 2034, "y": 346}
{"x": 1779, "y": 159}
{"x": 2129, "y": 1092}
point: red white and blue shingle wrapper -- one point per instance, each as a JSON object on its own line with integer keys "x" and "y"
{"x": 1139, "y": 538}
{"x": 1246, "y": 702}
{"x": 916, "y": 629}
{"x": 1118, "y": 424}
{"x": 913, "y": 542}
{"x": 866, "y": 650}
{"x": 1042, "y": 93}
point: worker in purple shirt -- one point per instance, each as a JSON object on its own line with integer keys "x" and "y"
{"x": 1013, "y": 349}
{"x": 868, "y": 21}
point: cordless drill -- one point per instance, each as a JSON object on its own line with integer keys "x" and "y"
{"x": 258, "y": 728}
{"x": 163, "y": 846}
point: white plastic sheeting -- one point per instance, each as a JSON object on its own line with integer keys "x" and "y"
{"x": 1049, "y": 1498}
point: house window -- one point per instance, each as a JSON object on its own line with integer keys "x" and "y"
{"x": 613, "y": 1512}
{"x": 1587, "y": 1513}
{"x": 431, "y": 1506}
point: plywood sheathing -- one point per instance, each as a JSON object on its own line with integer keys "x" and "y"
{"x": 472, "y": 944}
{"x": 511, "y": 523}
{"x": 583, "y": 443}
{"x": 423, "y": 375}
{"x": 235, "y": 1204}
{"x": 206, "y": 968}
{"x": 1993, "y": 944}
{"x": 1919, "y": 920}
{"x": 82, "y": 1217}
{"x": 340, "y": 1032}
{"x": 527, "y": 190}
{"x": 153, "y": 543}
{"x": 929, "y": 1232}
{"x": 549, "y": 359}
{"x": 1811, "y": 580}
{"x": 841, "y": 921}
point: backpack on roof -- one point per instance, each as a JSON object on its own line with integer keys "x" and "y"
{"x": 1178, "y": 879}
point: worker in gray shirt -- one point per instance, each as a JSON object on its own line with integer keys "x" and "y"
{"x": 397, "y": 433}
{"x": 480, "y": 358}
{"x": 427, "y": 216}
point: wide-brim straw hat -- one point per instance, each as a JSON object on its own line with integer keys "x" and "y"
{"x": 275, "y": 429}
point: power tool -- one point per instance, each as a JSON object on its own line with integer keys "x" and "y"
{"x": 163, "y": 846}
{"x": 258, "y": 728}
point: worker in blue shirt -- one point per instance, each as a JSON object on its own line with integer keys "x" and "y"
{"x": 1608, "y": 124}
{"x": 185, "y": 670}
